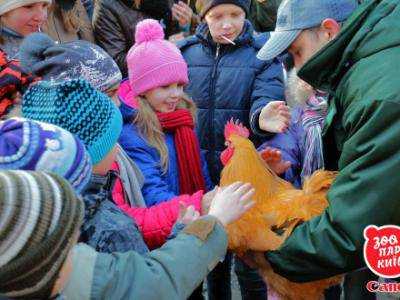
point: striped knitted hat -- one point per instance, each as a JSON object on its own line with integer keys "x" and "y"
{"x": 40, "y": 219}
{"x": 77, "y": 107}
{"x": 31, "y": 145}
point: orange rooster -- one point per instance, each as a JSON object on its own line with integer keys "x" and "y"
{"x": 279, "y": 208}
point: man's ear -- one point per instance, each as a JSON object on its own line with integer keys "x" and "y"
{"x": 330, "y": 28}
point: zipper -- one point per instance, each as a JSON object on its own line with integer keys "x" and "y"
{"x": 212, "y": 104}
{"x": 217, "y": 51}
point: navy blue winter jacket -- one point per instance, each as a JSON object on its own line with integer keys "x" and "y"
{"x": 228, "y": 81}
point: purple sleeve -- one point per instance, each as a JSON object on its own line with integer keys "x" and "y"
{"x": 289, "y": 143}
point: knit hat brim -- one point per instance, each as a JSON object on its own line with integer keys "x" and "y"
{"x": 77, "y": 107}
{"x": 172, "y": 73}
{"x": 9, "y": 5}
{"x": 243, "y": 4}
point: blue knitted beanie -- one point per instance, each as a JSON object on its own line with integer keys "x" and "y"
{"x": 37, "y": 146}
{"x": 77, "y": 107}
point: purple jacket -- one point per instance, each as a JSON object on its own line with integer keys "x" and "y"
{"x": 291, "y": 144}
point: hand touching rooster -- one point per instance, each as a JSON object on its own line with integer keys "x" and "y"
{"x": 275, "y": 117}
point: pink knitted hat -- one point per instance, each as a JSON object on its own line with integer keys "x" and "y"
{"x": 154, "y": 62}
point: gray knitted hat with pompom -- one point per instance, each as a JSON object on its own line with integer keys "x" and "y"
{"x": 52, "y": 61}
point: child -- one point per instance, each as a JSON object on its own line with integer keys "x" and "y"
{"x": 159, "y": 134}
{"x": 175, "y": 269}
{"x": 41, "y": 216}
{"x": 65, "y": 61}
{"x": 226, "y": 80}
{"x": 74, "y": 105}
{"x": 19, "y": 18}
{"x": 296, "y": 153}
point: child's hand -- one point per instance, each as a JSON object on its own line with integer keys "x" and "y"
{"x": 273, "y": 157}
{"x": 275, "y": 117}
{"x": 182, "y": 13}
{"x": 207, "y": 199}
{"x": 187, "y": 214}
{"x": 231, "y": 202}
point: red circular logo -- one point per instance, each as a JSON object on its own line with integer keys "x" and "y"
{"x": 382, "y": 250}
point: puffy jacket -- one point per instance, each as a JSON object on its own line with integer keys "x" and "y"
{"x": 225, "y": 82}
{"x": 158, "y": 186}
{"x": 156, "y": 222}
{"x": 291, "y": 145}
{"x": 114, "y": 24}
{"x": 171, "y": 272}
{"x": 106, "y": 227}
{"x": 361, "y": 71}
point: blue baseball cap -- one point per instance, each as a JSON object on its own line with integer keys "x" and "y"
{"x": 296, "y": 15}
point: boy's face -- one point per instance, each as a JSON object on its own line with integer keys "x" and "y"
{"x": 225, "y": 20}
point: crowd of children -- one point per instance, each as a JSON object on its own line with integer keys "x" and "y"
{"x": 110, "y": 152}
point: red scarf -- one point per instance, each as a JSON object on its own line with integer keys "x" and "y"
{"x": 180, "y": 122}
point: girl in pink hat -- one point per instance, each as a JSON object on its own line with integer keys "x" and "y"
{"x": 158, "y": 132}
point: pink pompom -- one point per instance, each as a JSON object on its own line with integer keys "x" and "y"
{"x": 148, "y": 30}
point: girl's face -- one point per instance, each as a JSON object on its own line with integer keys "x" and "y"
{"x": 166, "y": 98}
{"x": 26, "y": 19}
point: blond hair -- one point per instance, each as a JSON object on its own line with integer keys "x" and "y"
{"x": 150, "y": 128}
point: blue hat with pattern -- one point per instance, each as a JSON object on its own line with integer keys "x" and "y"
{"x": 42, "y": 56}
{"x": 79, "y": 108}
{"x": 296, "y": 15}
{"x": 37, "y": 146}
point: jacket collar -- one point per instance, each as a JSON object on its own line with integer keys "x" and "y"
{"x": 11, "y": 33}
{"x": 101, "y": 183}
{"x": 246, "y": 37}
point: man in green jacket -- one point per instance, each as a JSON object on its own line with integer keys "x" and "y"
{"x": 353, "y": 53}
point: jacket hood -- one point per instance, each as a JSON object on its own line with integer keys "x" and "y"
{"x": 363, "y": 34}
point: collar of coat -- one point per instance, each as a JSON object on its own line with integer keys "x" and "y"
{"x": 247, "y": 37}
{"x": 361, "y": 37}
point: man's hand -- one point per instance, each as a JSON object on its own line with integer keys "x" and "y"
{"x": 273, "y": 157}
{"x": 275, "y": 117}
{"x": 182, "y": 13}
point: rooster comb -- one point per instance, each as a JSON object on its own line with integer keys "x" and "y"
{"x": 235, "y": 127}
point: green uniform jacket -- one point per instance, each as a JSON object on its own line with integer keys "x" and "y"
{"x": 361, "y": 70}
